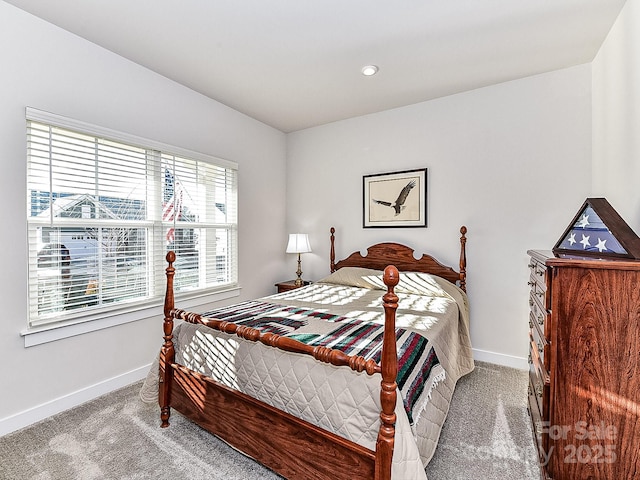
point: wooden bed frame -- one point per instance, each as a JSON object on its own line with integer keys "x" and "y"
{"x": 289, "y": 446}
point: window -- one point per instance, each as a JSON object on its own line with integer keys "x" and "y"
{"x": 103, "y": 209}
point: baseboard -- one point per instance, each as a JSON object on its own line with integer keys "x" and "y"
{"x": 45, "y": 410}
{"x": 500, "y": 359}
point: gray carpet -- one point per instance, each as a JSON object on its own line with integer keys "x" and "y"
{"x": 118, "y": 437}
{"x": 487, "y": 433}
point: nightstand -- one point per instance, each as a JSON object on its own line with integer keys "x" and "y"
{"x": 289, "y": 285}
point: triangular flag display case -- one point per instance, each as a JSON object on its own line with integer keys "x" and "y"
{"x": 599, "y": 231}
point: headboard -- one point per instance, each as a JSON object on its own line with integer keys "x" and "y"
{"x": 382, "y": 254}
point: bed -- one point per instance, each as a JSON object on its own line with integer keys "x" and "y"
{"x": 328, "y": 381}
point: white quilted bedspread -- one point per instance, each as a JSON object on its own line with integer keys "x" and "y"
{"x": 336, "y": 398}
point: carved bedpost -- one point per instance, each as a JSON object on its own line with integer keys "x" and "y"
{"x": 389, "y": 367}
{"x": 463, "y": 258}
{"x": 333, "y": 251}
{"x": 167, "y": 352}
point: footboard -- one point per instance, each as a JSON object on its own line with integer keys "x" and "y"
{"x": 290, "y": 446}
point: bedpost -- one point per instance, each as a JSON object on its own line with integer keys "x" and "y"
{"x": 333, "y": 251}
{"x": 167, "y": 352}
{"x": 388, "y": 386}
{"x": 463, "y": 258}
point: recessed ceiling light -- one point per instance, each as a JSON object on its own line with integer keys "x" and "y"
{"x": 369, "y": 70}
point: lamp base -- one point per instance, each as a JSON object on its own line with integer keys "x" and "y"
{"x": 299, "y": 282}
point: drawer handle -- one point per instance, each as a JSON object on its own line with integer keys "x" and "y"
{"x": 540, "y": 349}
{"x": 539, "y": 391}
{"x": 540, "y": 320}
{"x": 539, "y": 430}
{"x": 532, "y": 265}
{"x": 530, "y": 283}
{"x": 530, "y": 324}
{"x": 530, "y": 359}
{"x": 530, "y": 303}
{"x": 540, "y": 294}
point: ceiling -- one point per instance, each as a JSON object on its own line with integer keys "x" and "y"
{"x": 296, "y": 64}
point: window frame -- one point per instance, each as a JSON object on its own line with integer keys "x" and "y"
{"x": 116, "y": 314}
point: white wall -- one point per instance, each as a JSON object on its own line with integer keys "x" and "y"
{"x": 616, "y": 116}
{"x": 49, "y": 69}
{"x": 512, "y": 162}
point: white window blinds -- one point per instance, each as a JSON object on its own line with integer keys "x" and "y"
{"x": 103, "y": 208}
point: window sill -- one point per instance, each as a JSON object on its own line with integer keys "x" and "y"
{"x": 50, "y": 333}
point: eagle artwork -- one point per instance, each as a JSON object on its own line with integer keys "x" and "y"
{"x": 398, "y": 205}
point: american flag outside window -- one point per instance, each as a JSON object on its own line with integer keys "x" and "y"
{"x": 172, "y": 202}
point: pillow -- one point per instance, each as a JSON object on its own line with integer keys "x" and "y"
{"x": 420, "y": 284}
{"x": 415, "y": 283}
{"x": 356, "y": 277}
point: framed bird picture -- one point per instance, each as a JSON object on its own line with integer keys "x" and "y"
{"x": 397, "y": 199}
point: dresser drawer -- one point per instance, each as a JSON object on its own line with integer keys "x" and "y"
{"x": 538, "y": 377}
{"x": 537, "y": 294}
{"x": 540, "y": 305}
{"x": 540, "y": 343}
{"x": 536, "y": 417}
{"x": 537, "y": 313}
{"x": 538, "y": 271}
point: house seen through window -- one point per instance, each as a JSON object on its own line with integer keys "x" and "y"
{"x": 102, "y": 213}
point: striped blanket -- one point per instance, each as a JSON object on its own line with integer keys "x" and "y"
{"x": 418, "y": 365}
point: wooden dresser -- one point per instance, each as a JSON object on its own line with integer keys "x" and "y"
{"x": 584, "y": 366}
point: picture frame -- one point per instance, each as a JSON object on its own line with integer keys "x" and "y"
{"x": 395, "y": 199}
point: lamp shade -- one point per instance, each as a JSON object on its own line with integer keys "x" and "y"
{"x": 298, "y": 243}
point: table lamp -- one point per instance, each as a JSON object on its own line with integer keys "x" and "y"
{"x": 298, "y": 243}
